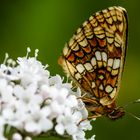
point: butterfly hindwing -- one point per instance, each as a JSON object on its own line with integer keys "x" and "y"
{"x": 94, "y": 56}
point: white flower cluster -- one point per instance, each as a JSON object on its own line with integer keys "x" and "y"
{"x": 33, "y": 102}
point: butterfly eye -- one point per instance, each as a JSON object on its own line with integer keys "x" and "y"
{"x": 94, "y": 58}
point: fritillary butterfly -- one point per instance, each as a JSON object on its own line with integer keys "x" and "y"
{"x": 94, "y": 58}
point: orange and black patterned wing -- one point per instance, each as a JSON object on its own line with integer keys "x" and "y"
{"x": 94, "y": 57}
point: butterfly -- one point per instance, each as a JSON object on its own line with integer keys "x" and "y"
{"x": 94, "y": 59}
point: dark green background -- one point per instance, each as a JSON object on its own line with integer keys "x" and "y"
{"x": 48, "y": 24}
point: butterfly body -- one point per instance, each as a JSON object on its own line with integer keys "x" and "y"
{"x": 94, "y": 59}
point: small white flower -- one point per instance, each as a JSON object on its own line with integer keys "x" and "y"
{"x": 31, "y": 70}
{"x": 16, "y": 136}
{"x": 85, "y": 125}
{"x": 2, "y": 123}
{"x": 9, "y": 73}
{"x": 59, "y": 128}
{"x": 71, "y": 129}
{"x": 38, "y": 122}
{"x": 32, "y": 127}
{"x": 80, "y": 135}
{"x": 28, "y": 138}
{"x": 77, "y": 116}
{"x": 6, "y": 91}
{"x": 58, "y": 82}
{"x": 34, "y": 102}
{"x": 3, "y": 138}
{"x": 71, "y": 101}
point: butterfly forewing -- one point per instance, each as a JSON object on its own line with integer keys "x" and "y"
{"x": 94, "y": 56}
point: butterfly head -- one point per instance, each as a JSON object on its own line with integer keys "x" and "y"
{"x": 116, "y": 113}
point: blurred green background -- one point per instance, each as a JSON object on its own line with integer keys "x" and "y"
{"x": 48, "y": 24}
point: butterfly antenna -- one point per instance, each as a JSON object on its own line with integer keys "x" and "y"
{"x": 132, "y": 102}
{"x": 134, "y": 116}
{"x": 131, "y": 114}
